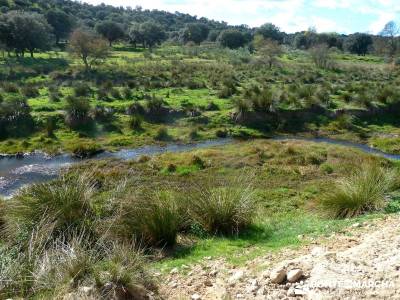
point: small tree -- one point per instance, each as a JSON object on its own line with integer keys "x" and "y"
{"x": 152, "y": 33}
{"x": 111, "y": 31}
{"x": 195, "y": 32}
{"x": 135, "y": 35}
{"x": 25, "y": 31}
{"x": 391, "y": 32}
{"x": 61, "y": 22}
{"x": 270, "y": 32}
{"x": 359, "y": 43}
{"x": 88, "y": 47}
{"x": 232, "y": 38}
{"x": 268, "y": 49}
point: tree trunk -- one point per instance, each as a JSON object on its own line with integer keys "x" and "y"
{"x": 31, "y": 51}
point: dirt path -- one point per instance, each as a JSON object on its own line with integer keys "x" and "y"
{"x": 362, "y": 262}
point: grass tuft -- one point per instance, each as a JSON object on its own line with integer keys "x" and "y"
{"x": 361, "y": 192}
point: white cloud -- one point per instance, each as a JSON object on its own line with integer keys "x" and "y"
{"x": 289, "y": 15}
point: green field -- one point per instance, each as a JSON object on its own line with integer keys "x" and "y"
{"x": 199, "y": 89}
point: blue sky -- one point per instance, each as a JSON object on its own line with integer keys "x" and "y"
{"x": 343, "y": 16}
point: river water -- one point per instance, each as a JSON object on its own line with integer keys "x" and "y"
{"x": 39, "y": 167}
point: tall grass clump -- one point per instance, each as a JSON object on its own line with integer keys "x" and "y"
{"x": 77, "y": 112}
{"x": 152, "y": 217}
{"x": 51, "y": 209}
{"x": 227, "y": 209}
{"x": 362, "y": 191}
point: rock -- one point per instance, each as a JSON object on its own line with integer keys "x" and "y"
{"x": 278, "y": 275}
{"x": 293, "y": 292}
{"x": 356, "y": 225}
{"x": 174, "y": 271}
{"x": 317, "y": 251}
{"x": 236, "y": 277}
{"x": 294, "y": 275}
{"x": 208, "y": 283}
{"x": 213, "y": 273}
{"x": 195, "y": 297}
{"x": 86, "y": 290}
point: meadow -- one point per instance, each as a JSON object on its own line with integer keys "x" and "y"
{"x": 108, "y": 225}
{"x": 186, "y": 93}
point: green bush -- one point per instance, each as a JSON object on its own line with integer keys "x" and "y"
{"x": 115, "y": 94}
{"x": 30, "y": 91}
{"x": 162, "y": 134}
{"x": 15, "y": 118}
{"x": 361, "y": 192}
{"x": 224, "y": 210}
{"x": 77, "y": 112}
{"x": 82, "y": 90}
{"x": 49, "y": 210}
{"x": 10, "y": 87}
{"x": 136, "y": 121}
{"x": 151, "y": 217}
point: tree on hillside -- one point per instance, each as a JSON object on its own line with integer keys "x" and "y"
{"x": 359, "y": 43}
{"x": 195, "y": 32}
{"x": 268, "y": 49}
{"x": 306, "y": 39}
{"x": 232, "y": 38}
{"x": 24, "y": 31}
{"x": 89, "y": 47}
{"x": 332, "y": 40}
{"x": 61, "y": 22}
{"x": 271, "y": 32}
{"x": 391, "y": 32}
{"x": 152, "y": 33}
{"x": 135, "y": 35}
{"x": 110, "y": 30}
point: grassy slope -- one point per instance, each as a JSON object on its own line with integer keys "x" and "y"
{"x": 381, "y": 133}
{"x": 289, "y": 179}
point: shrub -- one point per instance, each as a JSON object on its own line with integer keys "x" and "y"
{"x": 103, "y": 114}
{"x": 193, "y": 134}
{"x": 15, "y": 118}
{"x": 221, "y": 133}
{"x": 115, "y": 94}
{"x": 135, "y": 109}
{"x": 51, "y": 209}
{"x": 85, "y": 149}
{"x": 162, "y": 134}
{"x": 225, "y": 209}
{"x": 212, "y": 106}
{"x": 30, "y": 91}
{"x": 152, "y": 217}
{"x": 102, "y": 94}
{"x": 50, "y": 126}
{"x": 136, "y": 121}
{"x": 82, "y": 90}
{"x": 9, "y": 87}
{"x": 361, "y": 192}
{"x": 127, "y": 93}
{"x": 77, "y": 111}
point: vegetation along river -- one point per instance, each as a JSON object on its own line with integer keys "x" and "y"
{"x": 16, "y": 172}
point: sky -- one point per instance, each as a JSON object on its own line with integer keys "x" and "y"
{"x": 343, "y": 16}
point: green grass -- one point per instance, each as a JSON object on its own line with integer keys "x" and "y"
{"x": 270, "y": 235}
{"x": 212, "y": 68}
